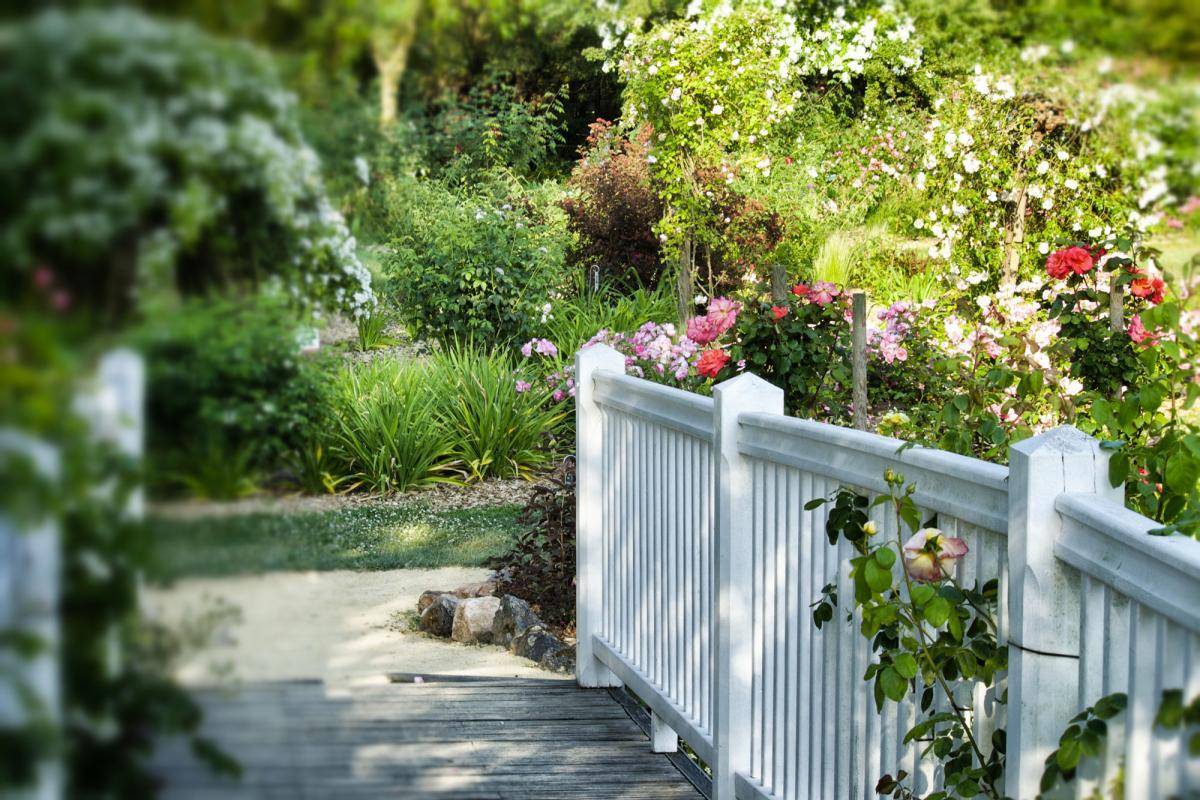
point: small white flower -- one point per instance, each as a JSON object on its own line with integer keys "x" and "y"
{"x": 1043, "y": 167}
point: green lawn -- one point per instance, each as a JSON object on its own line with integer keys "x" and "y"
{"x": 365, "y": 538}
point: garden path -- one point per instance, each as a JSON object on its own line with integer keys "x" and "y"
{"x": 320, "y": 702}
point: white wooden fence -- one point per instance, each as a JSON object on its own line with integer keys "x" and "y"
{"x": 111, "y": 403}
{"x": 698, "y": 565}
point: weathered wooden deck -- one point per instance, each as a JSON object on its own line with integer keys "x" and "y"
{"x": 441, "y": 740}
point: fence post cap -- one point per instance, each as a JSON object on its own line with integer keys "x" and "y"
{"x": 599, "y": 356}
{"x": 1058, "y": 441}
{"x": 747, "y": 384}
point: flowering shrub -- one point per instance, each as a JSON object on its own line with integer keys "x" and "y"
{"x": 612, "y": 208}
{"x": 926, "y": 629}
{"x": 726, "y": 85}
{"x": 142, "y": 156}
{"x": 800, "y": 346}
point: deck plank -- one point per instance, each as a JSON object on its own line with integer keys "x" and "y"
{"x": 480, "y": 740}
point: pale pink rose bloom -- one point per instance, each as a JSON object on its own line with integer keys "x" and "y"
{"x": 723, "y": 312}
{"x": 702, "y": 330}
{"x": 823, "y": 292}
{"x": 930, "y": 555}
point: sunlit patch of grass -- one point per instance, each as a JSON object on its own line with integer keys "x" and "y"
{"x": 363, "y": 538}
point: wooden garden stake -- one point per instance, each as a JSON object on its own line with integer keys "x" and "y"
{"x": 1116, "y": 306}
{"x": 859, "y": 356}
{"x": 779, "y": 287}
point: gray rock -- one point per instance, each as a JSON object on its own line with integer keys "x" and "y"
{"x": 426, "y": 599}
{"x": 438, "y": 616}
{"x": 535, "y": 643}
{"x": 513, "y": 618}
{"x": 473, "y": 620}
{"x": 562, "y": 660}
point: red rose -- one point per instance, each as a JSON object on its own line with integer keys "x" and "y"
{"x": 779, "y": 311}
{"x": 712, "y": 362}
{"x": 1062, "y": 263}
{"x": 1148, "y": 288}
{"x": 800, "y": 290}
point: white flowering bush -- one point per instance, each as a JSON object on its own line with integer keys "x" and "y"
{"x": 139, "y": 156}
{"x": 730, "y": 87}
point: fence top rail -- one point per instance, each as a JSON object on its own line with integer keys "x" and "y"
{"x": 965, "y": 488}
{"x": 1111, "y": 543}
{"x": 663, "y": 405}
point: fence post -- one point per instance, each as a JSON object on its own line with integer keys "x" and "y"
{"x": 30, "y": 577}
{"x": 1043, "y": 597}
{"x": 590, "y": 486}
{"x": 734, "y": 571}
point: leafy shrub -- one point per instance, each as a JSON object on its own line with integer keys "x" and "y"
{"x": 384, "y": 427}
{"x": 540, "y": 567}
{"x": 139, "y": 155}
{"x": 800, "y": 346}
{"x": 572, "y": 321}
{"x": 228, "y": 392}
{"x": 496, "y": 430}
{"x": 395, "y": 425}
{"x": 613, "y": 208}
{"x": 474, "y": 264}
{"x": 493, "y": 126}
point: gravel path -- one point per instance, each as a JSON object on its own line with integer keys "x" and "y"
{"x": 346, "y": 628}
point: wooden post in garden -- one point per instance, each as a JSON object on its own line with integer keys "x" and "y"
{"x": 734, "y": 575}
{"x": 685, "y": 286}
{"x": 859, "y": 359}
{"x": 1116, "y": 305}
{"x": 1043, "y": 597}
{"x": 590, "y": 481}
{"x": 779, "y": 284}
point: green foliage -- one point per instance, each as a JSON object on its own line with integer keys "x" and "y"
{"x": 574, "y": 320}
{"x": 384, "y": 427}
{"x": 372, "y": 330}
{"x": 1151, "y": 430}
{"x": 927, "y": 632}
{"x": 540, "y": 565}
{"x": 1085, "y": 735}
{"x": 805, "y": 352}
{"x": 361, "y": 537}
{"x": 140, "y": 156}
{"x": 497, "y": 431}
{"x": 392, "y": 425}
{"x": 229, "y": 393}
{"x": 474, "y": 263}
{"x": 492, "y": 127}
{"x": 1083, "y": 738}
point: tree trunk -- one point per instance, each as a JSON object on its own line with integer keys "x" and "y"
{"x": 390, "y": 61}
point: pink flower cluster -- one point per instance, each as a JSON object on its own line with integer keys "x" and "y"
{"x": 653, "y": 349}
{"x": 543, "y": 347}
{"x": 898, "y": 320}
{"x": 822, "y": 292}
{"x": 722, "y": 314}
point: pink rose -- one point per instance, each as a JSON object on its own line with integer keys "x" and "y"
{"x": 930, "y": 555}
{"x": 723, "y": 312}
{"x": 702, "y": 330}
